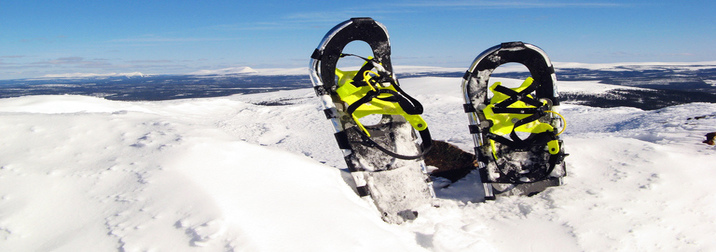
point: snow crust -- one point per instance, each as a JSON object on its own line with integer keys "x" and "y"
{"x": 224, "y": 174}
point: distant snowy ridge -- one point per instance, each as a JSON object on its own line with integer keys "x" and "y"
{"x": 304, "y": 70}
{"x": 426, "y": 69}
{"x": 636, "y": 65}
{"x": 93, "y": 75}
{"x": 228, "y": 70}
{"x": 410, "y": 69}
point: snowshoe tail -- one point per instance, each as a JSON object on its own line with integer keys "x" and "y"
{"x": 515, "y": 130}
{"x": 384, "y": 159}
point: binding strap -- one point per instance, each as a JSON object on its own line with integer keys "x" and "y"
{"x": 425, "y": 146}
{"x": 407, "y": 103}
{"x": 514, "y": 102}
{"x": 514, "y": 96}
{"x": 380, "y": 92}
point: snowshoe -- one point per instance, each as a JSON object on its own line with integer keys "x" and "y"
{"x": 515, "y": 129}
{"x": 385, "y": 159}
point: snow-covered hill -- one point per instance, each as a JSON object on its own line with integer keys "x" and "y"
{"x": 261, "y": 172}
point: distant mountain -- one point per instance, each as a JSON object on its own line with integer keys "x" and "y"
{"x": 155, "y": 87}
{"x": 224, "y": 71}
{"x": 662, "y": 84}
{"x": 646, "y": 99}
{"x": 91, "y": 75}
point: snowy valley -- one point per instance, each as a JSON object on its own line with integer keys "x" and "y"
{"x": 262, "y": 172}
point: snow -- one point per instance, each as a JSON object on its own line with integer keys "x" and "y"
{"x": 710, "y": 82}
{"x": 588, "y": 87}
{"x": 225, "y": 174}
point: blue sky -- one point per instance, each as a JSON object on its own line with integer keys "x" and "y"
{"x": 38, "y": 38}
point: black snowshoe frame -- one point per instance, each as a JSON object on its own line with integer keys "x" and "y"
{"x": 386, "y": 158}
{"x": 500, "y": 175}
{"x": 323, "y": 64}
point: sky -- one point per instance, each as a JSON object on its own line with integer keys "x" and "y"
{"x": 41, "y": 38}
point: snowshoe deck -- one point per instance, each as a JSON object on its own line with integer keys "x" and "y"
{"x": 516, "y": 129}
{"x": 385, "y": 159}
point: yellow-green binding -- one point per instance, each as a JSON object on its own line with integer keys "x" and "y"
{"x": 504, "y": 123}
{"x": 350, "y": 93}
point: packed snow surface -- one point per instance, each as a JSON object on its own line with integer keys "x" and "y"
{"x": 235, "y": 174}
